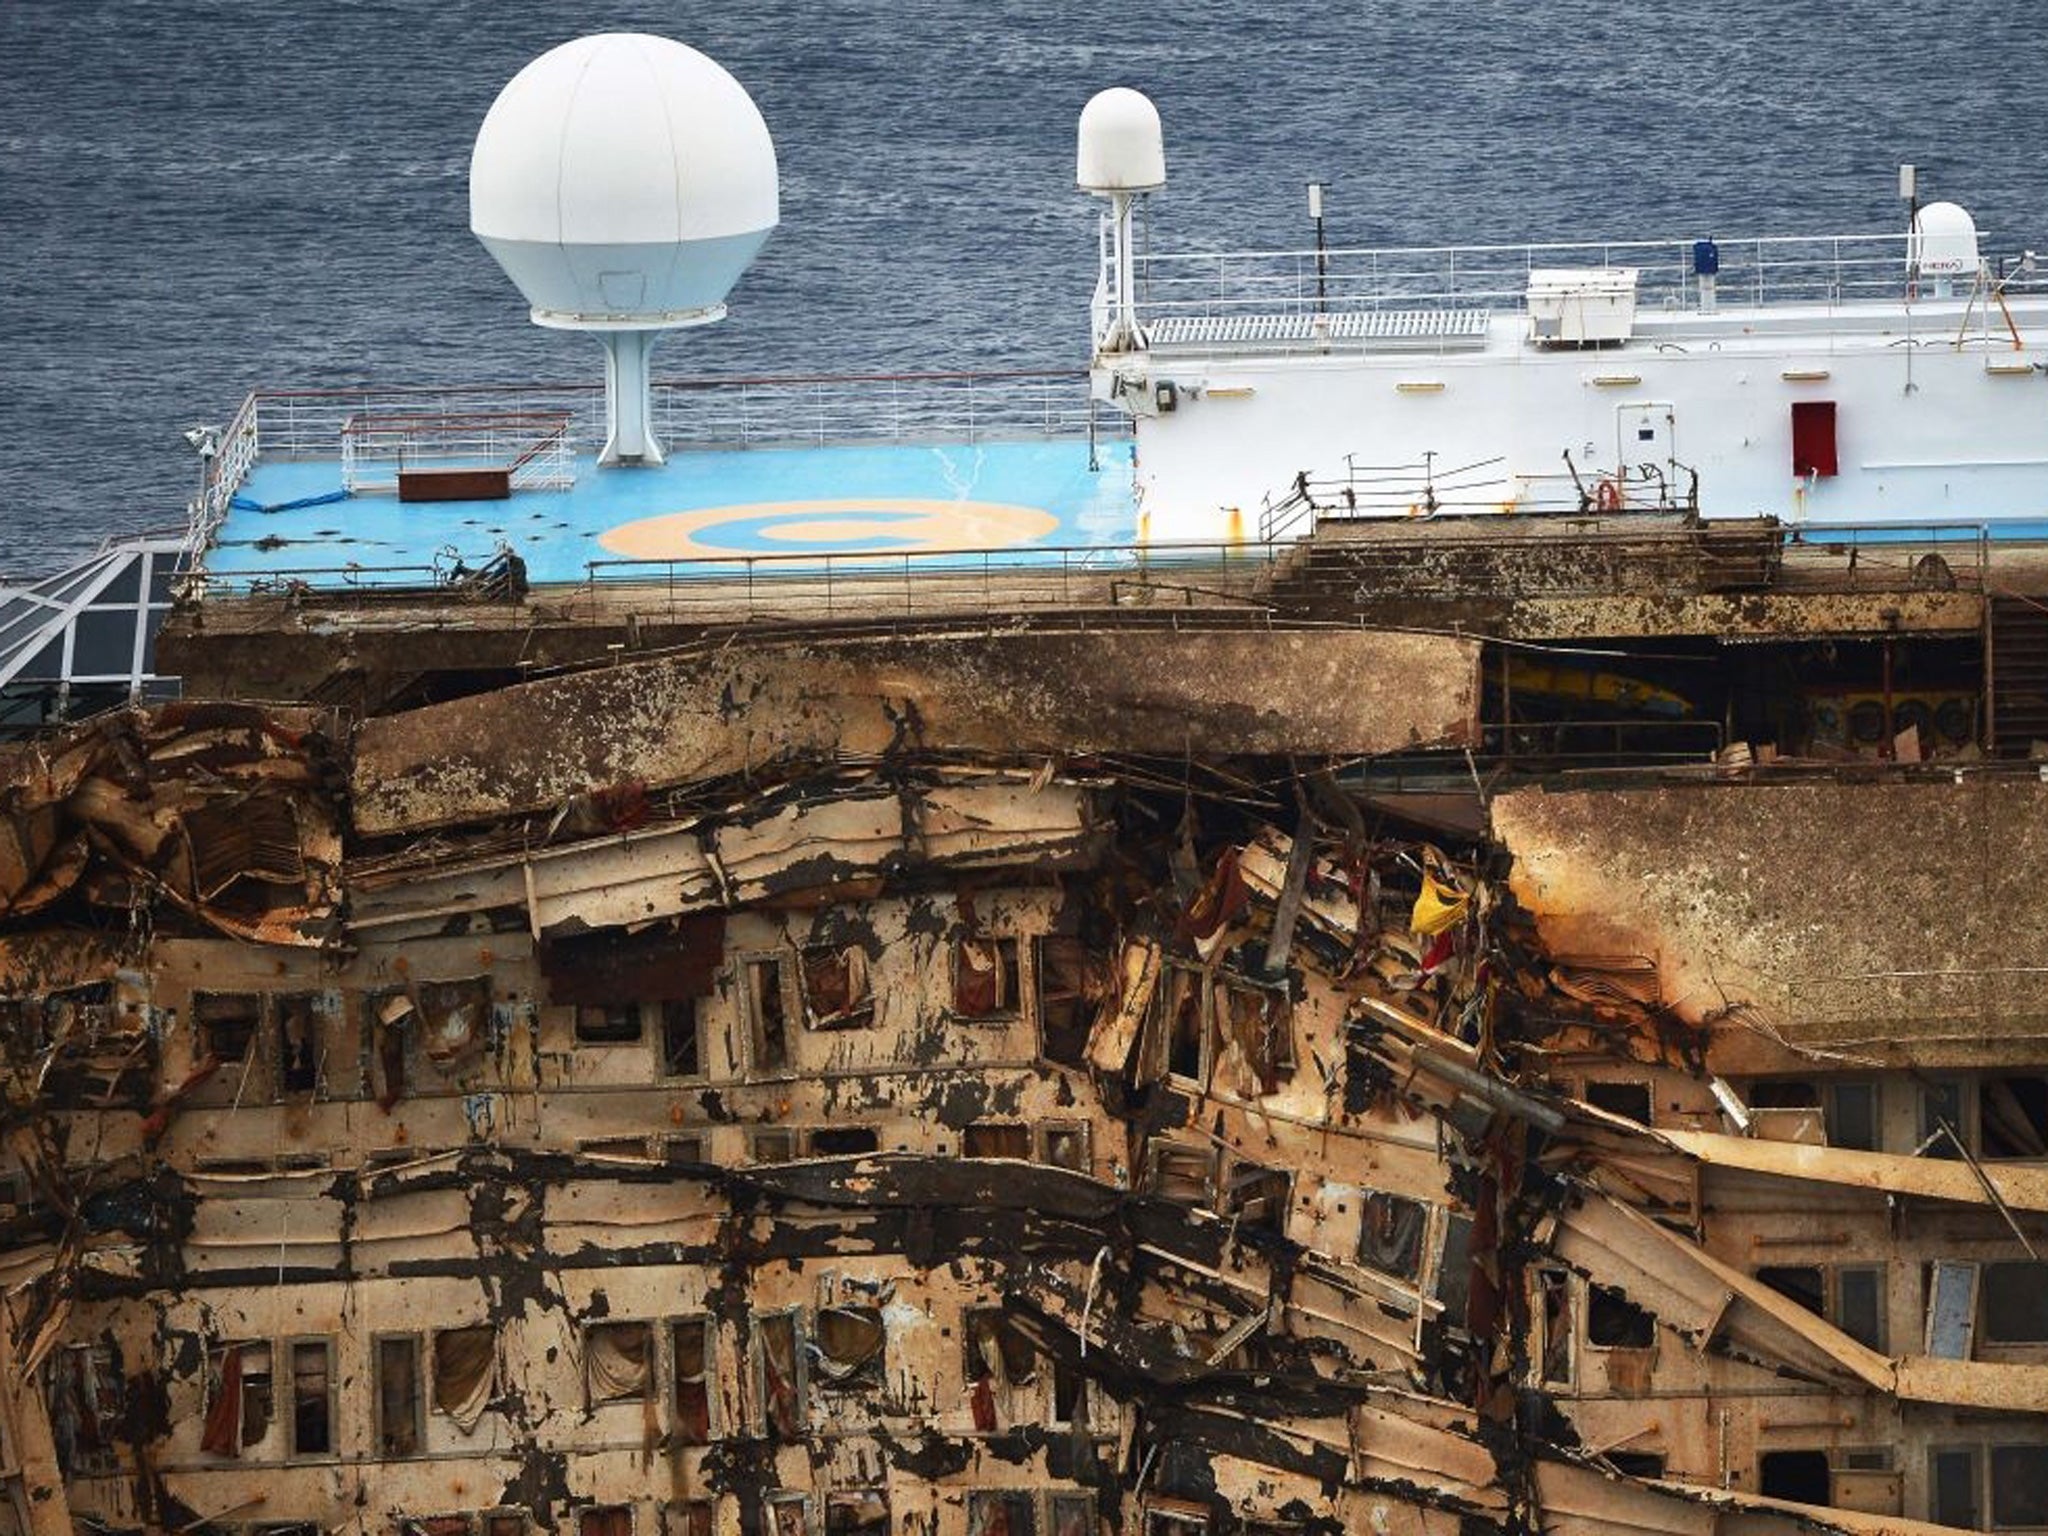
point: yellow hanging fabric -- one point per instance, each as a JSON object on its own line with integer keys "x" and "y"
{"x": 1439, "y": 906}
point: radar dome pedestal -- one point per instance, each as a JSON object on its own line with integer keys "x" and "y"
{"x": 624, "y": 182}
{"x": 1121, "y": 153}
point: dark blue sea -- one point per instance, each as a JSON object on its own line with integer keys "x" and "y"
{"x": 200, "y": 198}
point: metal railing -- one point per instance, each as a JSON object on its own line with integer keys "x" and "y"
{"x": 536, "y": 448}
{"x": 1824, "y": 270}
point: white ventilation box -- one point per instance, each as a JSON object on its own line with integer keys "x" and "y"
{"x": 1573, "y": 305}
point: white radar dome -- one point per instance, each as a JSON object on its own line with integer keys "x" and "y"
{"x": 1944, "y": 242}
{"x": 1121, "y": 148}
{"x": 623, "y": 181}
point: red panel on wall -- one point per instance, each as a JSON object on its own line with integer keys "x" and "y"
{"x": 1813, "y": 437}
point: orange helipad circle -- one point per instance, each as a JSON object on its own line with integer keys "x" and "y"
{"x": 898, "y": 525}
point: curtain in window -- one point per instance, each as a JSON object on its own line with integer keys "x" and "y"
{"x": 463, "y": 1374}
{"x": 618, "y": 1358}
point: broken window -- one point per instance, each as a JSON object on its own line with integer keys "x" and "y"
{"x": 1615, "y": 1322}
{"x": 1063, "y": 1146}
{"x": 690, "y": 1339}
{"x": 1180, "y": 1174}
{"x": 682, "y": 1038}
{"x": 607, "y": 1023}
{"x": 771, "y": 1144}
{"x": 505, "y": 1522}
{"x": 1072, "y": 985}
{"x": 778, "y": 1377}
{"x": 1001, "y": 1512}
{"x": 1803, "y": 1283}
{"x": 2012, "y": 1117}
{"x": 857, "y": 1512}
{"x": 401, "y": 1428}
{"x": 1390, "y": 1234}
{"x": 1860, "y": 1303}
{"x": 1554, "y": 1297}
{"x": 605, "y": 1520}
{"x": 1256, "y": 1196}
{"x": 789, "y": 1514}
{"x": 1952, "y": 1492}
{"x": 997, "y": 1351}
{"x": 465, "y": 1373}
{"x": 618, "y": 1362}
{"x": 1174, "y": 1036}
{"x": 312, "y": 1397}
{"x": 1069, "y": 1396}
{"x": 435, "y": 1525}
{"x": 239, "y": 1398}
{"x": 838, "y": 993}
{"x": 1454, "y": 1269}
{"x": 298, "y": 1044}
{"x": 1853, "y": 1117}
{"x": 767, "y": 1014}
{"x": 1637, "y": 1463}
{"x": 392, "y": 1013}
{"x": 82, "y": 1390}
{"x": 681, "y": 1151}
{"x": 227, "y": 1023}
{"x": 2019, "y": 1486}
{"x": 1941, "y": 1104}
{"x": 1176, "y": 1517}
{"x": 844, "y": 1140}
{"x": 1073, "y": 1514}
{"x": 849, "y": 1347}
{"x": 688, "y": 1517}
{"x": 986, "y": 984}
{"x": 1255, "y": 1032}
{"x": 1631, "y": 1101}
{"x": 455, "y": 1018}
{"x": 617, "y": 1149}
{"x": 2016, "y": 1303}
{"x": 989, "y": 1138}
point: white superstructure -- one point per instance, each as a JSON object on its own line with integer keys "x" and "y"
{"x": 1884, "y": 377}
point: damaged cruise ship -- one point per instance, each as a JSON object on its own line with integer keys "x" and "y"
{"x": 1411, "y": 905}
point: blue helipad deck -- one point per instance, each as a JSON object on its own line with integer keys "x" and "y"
{"x": 701, "y": 506}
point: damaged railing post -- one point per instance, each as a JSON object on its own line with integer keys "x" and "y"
{"x": 1299, "y": 857}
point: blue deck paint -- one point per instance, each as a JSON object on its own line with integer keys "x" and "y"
{"x": 1020, "y": 495}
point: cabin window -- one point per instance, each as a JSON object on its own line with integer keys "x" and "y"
{"x": 1182, "y": 1037}
{"x": 2012, "y": 1117}
{"x": 2019, "y": 1486}
{"x": 607, "y": 1023}
{"x": 1069, "y": 1396}
{"x": 1615, "y": 1322}
{"x": 767, "y": 1014}
{"x": 1181, "y": 1174}
{"x": 682, "y": 1038}
{"x": 1390, "y": 1234}
{"x": 312, "y": 1397}
{"x": 986, "y": 980}
{"x": 689, "y": 1517}
{"x": 454, "y": 1020}
{"x": 996, "y": 1350}
{"x": 1853, "y": 1117}
{"x": 2015, "y": 1303}
{"x": 240, "y": 1400}
{"x": 1941, "y": 1104}
{"x": 1073, "y": 1514}
{"x": 1254, "y": 1034}
{"x": 771, "y": 1145}
{"x": 504, "y": 1522}
{"x": 298, "y": 1044}
{"x": 400, "y": 1427}
{"x": 1001, "y": 1512}
{"x": 1860, "y": 1303}
{"x": 989, "y": 1138}
{"x": 1801, "y": 1476}
{"x": 682, "y": 1151}
{"x": 851, "y": 1344}
{"x": 1454, "y": 1269}
{"x": 1637, "y": 1463}
{"x": 857, "y": 1512}
{"x": 82, "y": 1389}
{"x": 844, "y": 1140}
{"x": 789, "y": 1513}
{"x": 1063, "y": 1146}
{"x": 618, "y": 1362}
{"x": 690, "y": 1342}
{"x": 465, "y": 1373}
{"x": 1813, "y": 439}
{"x": 838, "y": 991}
{"x": 1631, "y": 1101}
{"x": 606, "y": 1520}
{"x": 1952, "y": 1487}
{"x": 778, "y": 1378}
